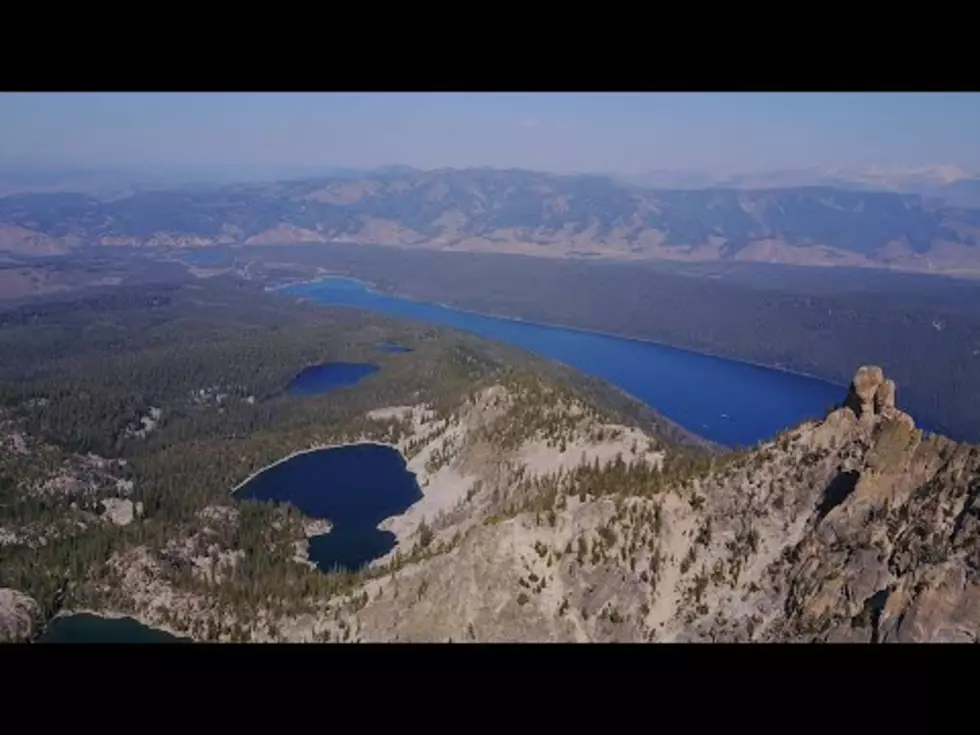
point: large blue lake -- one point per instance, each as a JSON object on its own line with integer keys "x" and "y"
{"x": 726, "y": 401}
{"x": 355, "y": 487}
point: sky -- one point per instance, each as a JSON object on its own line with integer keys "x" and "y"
{"x": 561, "y": 132}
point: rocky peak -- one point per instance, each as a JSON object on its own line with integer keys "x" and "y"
{"x": 891, "y": 552}
{"x": 882, "y": 438}
{"x": 872, "y": 397}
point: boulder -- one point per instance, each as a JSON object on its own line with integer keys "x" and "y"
{"x": 19, "y": 616}
{"x": 119, "y": 511}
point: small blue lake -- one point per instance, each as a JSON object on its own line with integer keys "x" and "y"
{"x": 726, "y": 401}
{"x": 354, "y": 487}
{"x": 318, "y": 379}
{"x": 85, "y": 628}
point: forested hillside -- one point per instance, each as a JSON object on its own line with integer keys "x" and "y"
{"x": 160, "y": 400}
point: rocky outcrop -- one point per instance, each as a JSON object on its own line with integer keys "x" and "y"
{"x": 121, "y": 511}
{"x": 889, "y": 550}
{"x": 864, "y": 388}
{"x": 19, "y": 616}
{"x": 885, "y": 397}
{"x": 870, "y": 393}
{"x": 872, "y": 396}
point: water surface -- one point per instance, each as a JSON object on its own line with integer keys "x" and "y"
{"x": 86, "y": 628}
{"x": 726, "y": 401}
{"x": 355, "y": 487}
{"x": 318, "y": 379}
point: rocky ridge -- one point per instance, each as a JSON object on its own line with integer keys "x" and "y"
{"x": 853, "y": 528}
{"x": 541, "y": 522}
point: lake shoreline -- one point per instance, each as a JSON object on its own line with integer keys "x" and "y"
{"x": 372, "y": 288}
{"x": 311, "y": 450}
{"x": 115, "y": 615}
{"x": 354, "y": 486}
{"x": 688, "y": 436}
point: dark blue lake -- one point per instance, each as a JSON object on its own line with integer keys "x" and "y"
{"x": 318, "y": 379}
{"x": 726, "y": 401}
{"x": 85, "y": 628}
{"x": 354, "y": 487}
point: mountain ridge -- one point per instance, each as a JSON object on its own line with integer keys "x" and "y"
{"x": 517, "y": 211}
{"x": 939, "y": 180}
{"x": 857, "y": 527}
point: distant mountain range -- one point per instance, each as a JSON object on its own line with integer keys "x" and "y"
{"x": 114, "y": 183}
{"x": 948, "y": 183}
{"x": 515, "y": 211}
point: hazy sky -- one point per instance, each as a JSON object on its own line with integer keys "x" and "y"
{"x": 550, "y": 131}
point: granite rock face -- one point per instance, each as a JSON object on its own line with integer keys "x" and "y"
{"x": 887, "y": 541}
